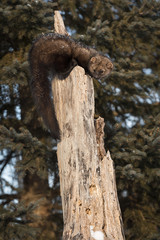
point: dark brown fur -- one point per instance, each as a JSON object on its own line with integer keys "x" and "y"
{"x": 60, "y": 54}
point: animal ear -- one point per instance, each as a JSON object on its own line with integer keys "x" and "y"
{"x": 93, "y": 60}
{"x": 110, "y": 65}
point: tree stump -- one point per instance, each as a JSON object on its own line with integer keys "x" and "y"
{"x": 87, "y": 179}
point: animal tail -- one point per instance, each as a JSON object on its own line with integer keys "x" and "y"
{"x": 40, "y": 87}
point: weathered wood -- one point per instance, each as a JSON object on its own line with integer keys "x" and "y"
{"x": 87, "y": 179}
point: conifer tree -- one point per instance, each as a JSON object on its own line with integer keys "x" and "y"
{"x": 20, "y": 22}
{"x": 128, "y": 32}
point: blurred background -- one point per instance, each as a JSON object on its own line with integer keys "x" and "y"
{"x": 128, "y": 31}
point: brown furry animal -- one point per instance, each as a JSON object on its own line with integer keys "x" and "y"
{"x": 60, "y": 54}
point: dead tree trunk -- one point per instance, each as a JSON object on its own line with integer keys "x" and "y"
{"x": 87, "y": 179}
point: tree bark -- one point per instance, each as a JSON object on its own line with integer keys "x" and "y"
{"x": 87, "y": 179}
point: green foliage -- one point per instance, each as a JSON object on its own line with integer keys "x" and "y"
{"x": 20, "y": 22}
{"x": 129, "y": 32}
{"x": 13, "y": 224}
{"x": 140, "y": 178}
{"x": 24, "y": 144}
